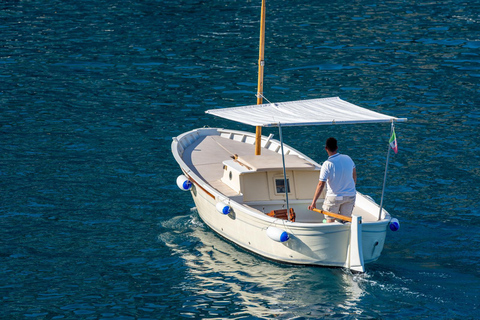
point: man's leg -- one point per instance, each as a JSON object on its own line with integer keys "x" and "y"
{"x": 346, "y": 207}
{"x": 330, "y": 205}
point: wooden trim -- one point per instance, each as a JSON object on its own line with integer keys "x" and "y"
{"x": 198, "y": 185}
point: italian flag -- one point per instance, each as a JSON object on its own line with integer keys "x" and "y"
{"x": 393, "y": 142}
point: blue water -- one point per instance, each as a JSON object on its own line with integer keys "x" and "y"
{"x": 92, "y": 225}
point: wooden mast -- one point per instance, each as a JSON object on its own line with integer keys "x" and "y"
{"x": 261, "y": 64}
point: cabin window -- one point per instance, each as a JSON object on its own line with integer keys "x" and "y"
{"x": 280, "y": 185}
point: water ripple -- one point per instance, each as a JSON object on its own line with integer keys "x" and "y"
{"x": 93, "y": 91}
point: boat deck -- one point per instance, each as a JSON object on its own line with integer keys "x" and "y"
{"x": 205, "y": 157}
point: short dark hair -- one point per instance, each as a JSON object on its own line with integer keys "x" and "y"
{"x": 331, "y": 144}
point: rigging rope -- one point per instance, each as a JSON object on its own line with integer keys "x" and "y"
{"x": 259, "y": 95}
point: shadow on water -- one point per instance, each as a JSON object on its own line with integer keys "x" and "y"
{"x": 223, "y": 279}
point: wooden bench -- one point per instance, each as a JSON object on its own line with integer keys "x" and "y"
{"x": 282, "y": 214}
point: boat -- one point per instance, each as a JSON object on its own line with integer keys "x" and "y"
{"x": 254, "y": 190}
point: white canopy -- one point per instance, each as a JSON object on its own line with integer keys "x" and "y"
{"x": 303, "y": 113}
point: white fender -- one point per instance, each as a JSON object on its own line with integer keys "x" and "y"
{"x": 183, "y": 183}
{"x": 277, "y": 234}
{"x": 223, "y": 208}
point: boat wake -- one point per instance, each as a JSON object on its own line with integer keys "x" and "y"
{"x": 223, "y": 280}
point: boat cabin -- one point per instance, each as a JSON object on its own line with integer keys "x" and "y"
{"x": 260, "y": 178}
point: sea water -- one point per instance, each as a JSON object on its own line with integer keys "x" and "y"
{"x": 92, "y": 225}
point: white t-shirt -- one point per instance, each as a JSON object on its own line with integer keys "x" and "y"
{"x": 337, "y": 171}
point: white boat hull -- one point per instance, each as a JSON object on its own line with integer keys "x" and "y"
{"x": 309, "y": 243}
{"x": 312, "y": 244}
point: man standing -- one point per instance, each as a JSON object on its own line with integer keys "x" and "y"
{"x": 340, "y": 176}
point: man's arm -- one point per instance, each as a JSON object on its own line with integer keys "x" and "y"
{"x": 318, "y": 191}
{"x": 355, "y": 175}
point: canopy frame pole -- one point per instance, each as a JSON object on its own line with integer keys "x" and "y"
{"x": 261, "y": 64}
{"x": 385, "y": 175}
{"x": 285, "y": 180}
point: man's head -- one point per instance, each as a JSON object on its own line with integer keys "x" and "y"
{"x": 331, "y": 145}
